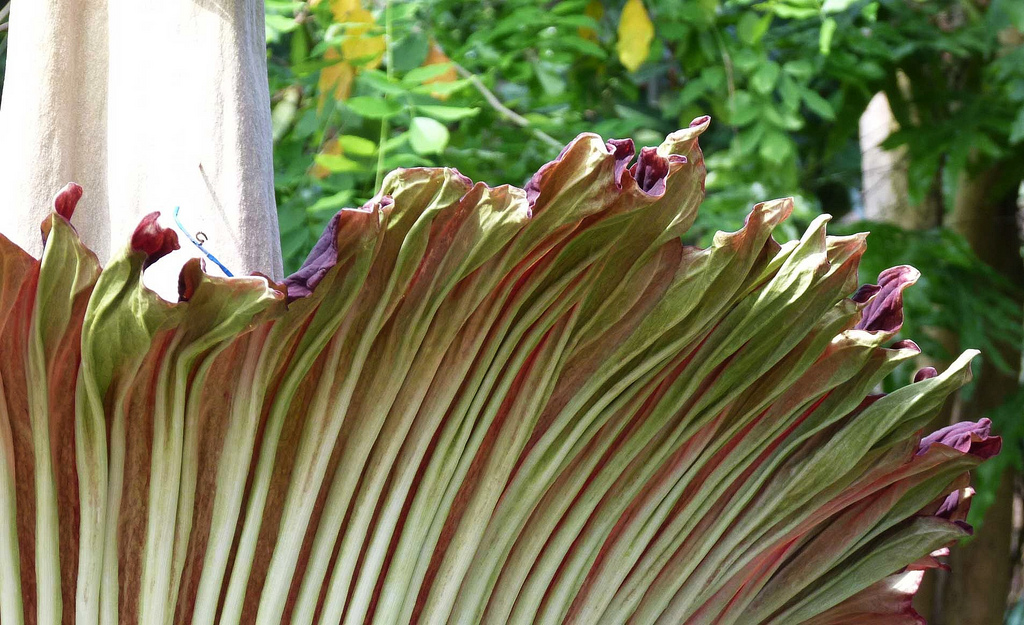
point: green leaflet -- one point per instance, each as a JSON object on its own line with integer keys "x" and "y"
{"x": 474, "y": 404}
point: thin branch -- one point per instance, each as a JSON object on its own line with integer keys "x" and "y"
{"x": 730, "y": 80}
{"x": 503, "y": 110}
{"x": 4, "y": 11}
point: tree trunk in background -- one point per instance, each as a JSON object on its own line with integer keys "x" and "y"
{"x": 884, "y": 174}
{"x": 975, "y": 590}
{"x": 147, "y": 105}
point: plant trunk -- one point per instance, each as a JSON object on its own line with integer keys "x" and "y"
{"x": 148, "y": 106}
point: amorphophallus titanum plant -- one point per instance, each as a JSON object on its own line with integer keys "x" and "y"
{"x": 476, "y": 404}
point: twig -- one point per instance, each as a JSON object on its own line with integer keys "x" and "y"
{"x": 503, "y": 110}
{"x": 730, "y": 80}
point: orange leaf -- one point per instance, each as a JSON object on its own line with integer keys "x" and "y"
{"x": 436, "y": 56}
{"x": 335, "y": 79}
{"x": 594, "y": 10}
{"x": 330, "y": 148}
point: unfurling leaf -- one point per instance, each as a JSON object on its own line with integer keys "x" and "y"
{"x": 635, "y": 35}
{"x": 477, "y": 404}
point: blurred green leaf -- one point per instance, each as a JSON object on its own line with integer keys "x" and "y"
{"x": 763, "y": 80}
{"x": 427, "y": 136}
{"x": 373, "y": 107}
{"x": 1017, "y": 128}
{"x": 828, "y": 30}
{"x": 357, "y": 146}
{"x": 336, "y": 163}
{"x": 448, "y": 113}
{"x": 752, "y": 27}
{"x": 818, "y": 104}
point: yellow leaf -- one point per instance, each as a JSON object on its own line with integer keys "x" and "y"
{"x": 436, "y": 56}
{"x": 635, "y": 34}
{"x": 330, "y": 148}
{"x": 366, "y": 50}
{"x": 594, "y": 10}
{"x": 335, "y": 79}
{"x": 341, "y": 9}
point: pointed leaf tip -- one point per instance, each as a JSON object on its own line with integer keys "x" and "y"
{"x": 153, "y": 240}
{"x": 189, "y": 278}
{"x": 67, "y": 199}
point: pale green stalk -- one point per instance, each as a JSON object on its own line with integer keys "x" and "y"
{"x": 190, "y": 473}
{"x": 11, "y": 606}
{"x": 91, "y": 462}
{"x": 164, "y": 485}
{"x": 109, "y": 586}
{"x": 231, "y": 473}
{"x": 47, "y": 548}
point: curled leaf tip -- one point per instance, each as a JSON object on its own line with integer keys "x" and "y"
{"x": 153, "y": 240}
{"x": 189, "y": 278}
{"x": 884, "y": 309}
{"x": 651, "y": 170}
{"x": 925, "y": 374}
{"x": 703, "y": 120}
{"x": 321, "y": 258}
{"x": 324, "y": 254}
{"x": 969, "y": 437}
{"x": 67, "y": 199}
{"x": 622, "y": 150}
{"x": 907, "y": 344}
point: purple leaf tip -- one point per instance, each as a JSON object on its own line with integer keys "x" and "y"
{"x": 884, "y": 309}
{"x": 967, "y": 437}
{"x": 67, "y": 199}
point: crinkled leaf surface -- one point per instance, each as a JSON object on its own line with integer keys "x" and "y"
{"x": 476, "y": 404}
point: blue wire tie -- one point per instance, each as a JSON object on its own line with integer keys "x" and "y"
{"x": 199, "y": 244}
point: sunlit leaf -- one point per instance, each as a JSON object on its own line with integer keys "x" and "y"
{"x": 448, "y": 113}
{"x": 373, "y": 107}
{"x": 358, "y": 146}
{"x": 828, "y": 30}
{"x": 427, "y": 136}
